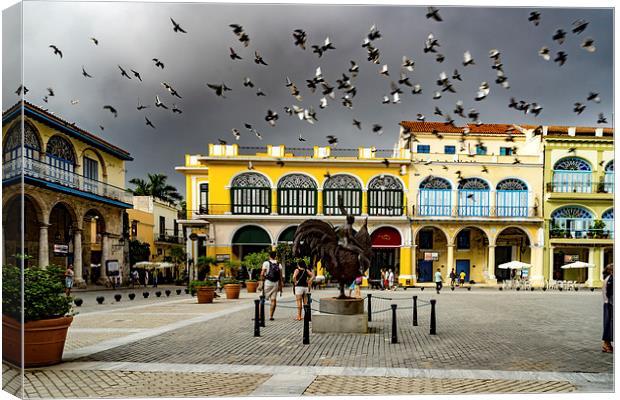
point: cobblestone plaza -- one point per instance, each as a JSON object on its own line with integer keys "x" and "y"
{"x": 487, "y": 341}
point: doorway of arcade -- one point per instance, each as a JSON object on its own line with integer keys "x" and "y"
{"x": 386, "y": 252}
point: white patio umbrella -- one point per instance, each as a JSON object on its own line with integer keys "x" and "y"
{"x": 577, "y": 264}
{"x": 514, "y": 265}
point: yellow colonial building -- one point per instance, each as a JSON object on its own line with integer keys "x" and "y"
{"x": 241, "y": 202}
{"x": 476, "y": 199}
{"x": 579, "y": 195}
{"x": 466, "y": 198}
{"x": 72, "y": 194}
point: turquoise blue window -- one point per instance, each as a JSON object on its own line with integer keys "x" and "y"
{"x": 434, "y": 197}
{"x": 572, "y": 175}
{"x": 573, "y": 220}
{"x": 505, "y": 151}
{"x": 511, "y": 198}
{"x": 473, "y": 198}
{"x": 424, "y": 148}
{"x": 481, "y": 150}
{"x": 449, "y": 149}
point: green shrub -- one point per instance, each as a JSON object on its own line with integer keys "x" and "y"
{"x": 230, "y": 281}
{"x": 194, "y": 285}
{"x": 44, "y": 293}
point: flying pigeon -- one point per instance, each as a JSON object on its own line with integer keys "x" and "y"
{"x": 544, "y": 53}
{"x": 149, "y": 123}
{"x": 357, "y": 124}
{"x": 434, "y": 14}
{"x": 579, "y": 108}
{"x": 85, "y": 74}
{"x": 601, "y": 119}
{"x": 300, "y": 38}
{"x": 594, "y": 97}
{"x": 560, "y": 58}
{"x": 258, "y": 59}
{"x": 176, "y": 27}
{"x": 136, "y": 74}
{"x": 579, "y": 25}
{"x": 112, "y": 110}
{"x": 467, "y": 59}
{"x": 158, "y": 103}
{"x": 158, "y": 63}
{"x": 56, "y": 50}
{"x": 534, "y": 17}
{"x": 559, "y": 36}
{"x": 588, "y": 45}
{"x": 233, "y": 55}
{"x": 95, "y": 41}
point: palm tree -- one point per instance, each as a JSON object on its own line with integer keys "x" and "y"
{"x": 156, "y": 187}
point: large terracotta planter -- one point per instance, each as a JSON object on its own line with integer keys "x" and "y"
{"x": 44, "y": 341}
{"x": 232, "y": 290}
{"x": 205, "y": 294}
{"x": 251, "y": 286}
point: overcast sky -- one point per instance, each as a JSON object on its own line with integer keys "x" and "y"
{"x": 131, "y": 34}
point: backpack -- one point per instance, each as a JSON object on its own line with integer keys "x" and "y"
{"x": 273, "y": 273}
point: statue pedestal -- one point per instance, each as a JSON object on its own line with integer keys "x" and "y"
{"x": 340, "y": 316}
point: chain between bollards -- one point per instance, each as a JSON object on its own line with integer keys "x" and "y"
{"x": 433, "y": 322}
{"x": 307, "y": 311}
{"x": 262, "y": 311}
{"x": 415, "y": 310}
{"x": 256, "y": 318}
{"x": 369, "y": 307}
{"x": 394, "y": 334}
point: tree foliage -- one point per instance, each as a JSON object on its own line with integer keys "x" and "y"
{"x": 138, "y": 251}
{"x": 157, "y": 187}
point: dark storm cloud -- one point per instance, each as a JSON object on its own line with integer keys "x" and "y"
{"x": 131, "y": 34}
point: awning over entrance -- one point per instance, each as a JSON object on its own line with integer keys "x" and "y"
{"x": 153, "y": 265}
{"x": 251, "y": 235}
{"x": 386, "y": 237}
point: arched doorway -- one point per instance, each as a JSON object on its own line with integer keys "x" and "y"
{"x": 60, "y": 235}
{"x": 512, "y": 244}
{"x": 12, "y": 226}
{"x": 431, "y": 253}
{"x": 250, "y": 239}
{"x": 92, "y": 245}
{"x": 471, "y": 254}
{"x": 287, "y": 235}
{"x": 386, "y": 243}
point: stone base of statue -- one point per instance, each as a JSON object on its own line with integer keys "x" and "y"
{"x": 340, "y": 316}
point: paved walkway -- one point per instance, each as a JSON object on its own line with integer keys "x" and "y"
{"x": 488, "y": 342}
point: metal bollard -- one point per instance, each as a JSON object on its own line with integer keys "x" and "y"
{"x": 415, "y": 310}
{"x": 433, "y": 322}
{"x": 256, "y": 318}
{"x": 307, "y": 311}
{"x": 310, "y": 304}
{"x": 394, "y": 334}
{"x": 262, "y": 311}
{"x": 369, "y": 307}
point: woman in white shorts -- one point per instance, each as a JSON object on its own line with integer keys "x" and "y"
{"x": 302, "y": 282}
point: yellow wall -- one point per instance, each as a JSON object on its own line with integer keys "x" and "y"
{"x": 145, "y": 227}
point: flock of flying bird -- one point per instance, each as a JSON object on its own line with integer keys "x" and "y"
{"x": 346, "y": 84}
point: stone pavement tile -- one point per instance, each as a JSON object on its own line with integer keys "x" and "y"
{"x": 284, "y": 385}
{"x": 12, "y": 380}
{"x": 326, "y": 385}
{"x": 127, "y": 320}
{"x": 77, "y": 339}
{"x": 57, "y": 383}
{"x": 477, "y": 330}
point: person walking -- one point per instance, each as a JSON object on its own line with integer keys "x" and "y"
{"x": 271, "y": 275}
{"x": 220, "y": 278}
{"x": 146, "y": 278}
{"x": 134, "y": 278}
{"x": 391, "y": 279}
{"x": 438, "y": 280}
{"x": 155, "y": 273}
{"x": 452, "y": 278}
{"x": 302, "y": 282}
{"x": 608, "y": 314}
{"x": 69, "y": 280}
{"x": 462, "y": 278}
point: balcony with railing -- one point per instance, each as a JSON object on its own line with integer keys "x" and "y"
{"x": 444, "y": 210}
{"x": 168, "y": 236}
{"x": 583, "y": 187}
{"x": 42, "y": 170}
{"x": 300, "y": 211}
{"x": 581, "y": 228}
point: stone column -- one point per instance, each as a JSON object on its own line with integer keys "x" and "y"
{"x": 491, "y": 265}
{"x": 414, "y": 263}
{"x": 105, "y": 253}
{"x": 44, "y": 258}
{"x": 592, "y": 272}
{"x": 77, "y": 258}
{"x": 550, "y": 272}
{"x": 537, "y": 277}
{"x": 450, "y": 263}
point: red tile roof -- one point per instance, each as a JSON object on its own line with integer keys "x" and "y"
{"x": 417, "y": 126}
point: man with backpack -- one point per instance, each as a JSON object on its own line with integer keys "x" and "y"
{"x": 273, "y": 281}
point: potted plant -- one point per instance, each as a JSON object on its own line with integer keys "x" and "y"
{"x": 205, "y": 291}
{"x": 46, "y": 315}
{"x": 251, "y": 285}
{"x": 600, "y": 187}
{"x": 254, "y": 262}
{"x": 554, "y": 230}
{"x": 598, "y": 228}
{"x": 232, "y": 287}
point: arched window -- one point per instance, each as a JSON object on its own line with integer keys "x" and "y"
{"x": 511, "y": 198}
{"x": 385, "y": 196}
{"x": 12, "y": 148}
{"x": 608, "y": 219}
{"x": 608, "y": 184}
{"x": 570, "y": 221}
{"x": 473, "y": 197}
{"x": 346, "y": 186}
{"x": 434, "y": 197}
{"x": 61, "y": 160}
{"x": 297, "y": 195}
{"x": 250, "y": 193}
{"x": 572, "y": 174}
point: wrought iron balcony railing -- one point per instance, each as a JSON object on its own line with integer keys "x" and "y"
{"x": 606, "y": 186}
{"x": 438, "y": 210}
{"x": 169, "y": 236}
{"x": 581, "y": 228}
{"x": 41, "y": 170}
{"x": 297, "y": 210}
